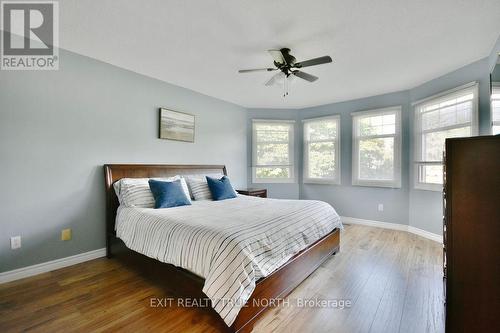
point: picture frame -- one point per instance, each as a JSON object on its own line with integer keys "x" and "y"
{"x": 177, "y": 126}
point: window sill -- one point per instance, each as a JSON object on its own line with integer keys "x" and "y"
{"x": 376, "y": 184}
{"x": 429, "y": 187}
{"x": 321, "y": 182}
{"x": 273, "y": 181}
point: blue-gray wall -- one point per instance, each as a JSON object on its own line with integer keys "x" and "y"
{"x": 495, "y": 75}
{"x": 361, "y": 201}
{"x": 493, "y": 58}
{"x": 426, "y": 211}
{"x": 406, "y": 205}
{"x": 57, "y": 129}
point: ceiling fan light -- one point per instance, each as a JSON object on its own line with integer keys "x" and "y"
{"x": 280, "y": 78}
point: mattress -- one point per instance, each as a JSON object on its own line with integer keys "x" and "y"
{"x": 230, "y": 243}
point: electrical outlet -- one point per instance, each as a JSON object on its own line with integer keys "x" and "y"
{"x": 15, "y": 242}
{"x": 66, "y": 234}
{"x": 380, "y": 207}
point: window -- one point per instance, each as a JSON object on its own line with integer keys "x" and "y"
{"x": 448, "y": 115}
{"x": 322, "y": 150}
{"x": 272, "y": 151}
{"x": 495, "y": 108}
{"x": 376, "y": 155}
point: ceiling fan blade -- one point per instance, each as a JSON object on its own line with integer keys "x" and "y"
{"x": 274, "y": 79}
{"x": 305, "y": 76}
{"x": 277, "y": 56}
{"x": 256, "y": 70}
{"x": 314, "y": 62}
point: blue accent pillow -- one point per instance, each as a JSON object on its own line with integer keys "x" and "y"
{"x": 221, "y": 189}
{"x": 168, "y": 194}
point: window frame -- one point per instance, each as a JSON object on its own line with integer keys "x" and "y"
{"x": 418, "y": 135}
{"x": 494, "y": 86}
{"x": 305, "y": 172}
{"x": 291, "y": 157}
{"x": 396, "y": 181}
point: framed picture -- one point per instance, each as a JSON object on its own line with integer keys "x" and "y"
{"x": 176, "y": 125}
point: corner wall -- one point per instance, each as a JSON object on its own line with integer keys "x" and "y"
{"x": 426, "y": 207}
{"x": 408, "y": 206}
{"x": 362, "y": 201}
{"x": 495, "y": 52}
{"x": 57, "y": 129}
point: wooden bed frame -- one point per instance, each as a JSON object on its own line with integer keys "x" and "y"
{"x": 277, "y": 285}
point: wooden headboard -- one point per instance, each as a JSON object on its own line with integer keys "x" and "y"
{"x": 115, "y": 172}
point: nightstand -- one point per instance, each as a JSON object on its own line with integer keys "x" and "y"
{"x": 254, "y": 192}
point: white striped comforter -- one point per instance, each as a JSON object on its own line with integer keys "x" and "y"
{"x": 230, "y": 243}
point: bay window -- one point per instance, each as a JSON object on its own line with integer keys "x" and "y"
{"x": 322, "y": 150}
{"x": 495, "y": 108}
{"x": 376, "y": 155}
{"x": 448, "y": 115}
{"x": 272, "y": 151}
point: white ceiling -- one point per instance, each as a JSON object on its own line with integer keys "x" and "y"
{"x": 377, "y": 46}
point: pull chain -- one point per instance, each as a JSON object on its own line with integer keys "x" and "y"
{"x": 285, "y": 86}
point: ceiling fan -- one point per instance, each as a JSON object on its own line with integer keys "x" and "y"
{"x": 287, "y": 65}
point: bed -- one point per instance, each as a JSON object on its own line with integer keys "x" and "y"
{"x": 237, "y": 252}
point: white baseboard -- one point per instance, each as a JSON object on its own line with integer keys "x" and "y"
{"x": 372, "y": 223}
{"x": 426, "y": 234}
{"x": 393, "y": 226}
{"x": 48, "y": 266}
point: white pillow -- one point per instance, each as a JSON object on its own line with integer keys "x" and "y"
{"x": 135, "y": 192}
{"x": 117, "y": 187}
{"x": 202, "y": 177}
{"x": 199, "y": 188}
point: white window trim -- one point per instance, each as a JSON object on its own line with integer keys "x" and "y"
{"x": 417, "y": 139}
{"x": 291, "y": 157}
{"x": 493, "y": 122}
{"x": 444, "y": 93}
{"x": 326, "y": 181}
{"x": 396, "y": 182}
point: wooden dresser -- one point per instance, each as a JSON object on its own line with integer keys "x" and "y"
{"x": 471, "y": 200}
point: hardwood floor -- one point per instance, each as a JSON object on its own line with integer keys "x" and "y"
{"x": 393, "y": 280}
